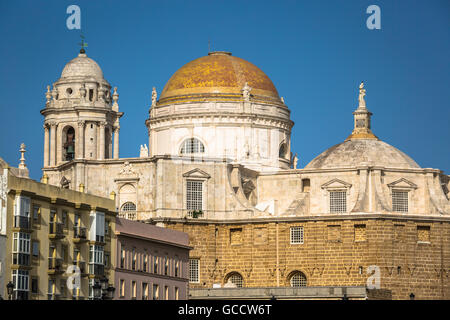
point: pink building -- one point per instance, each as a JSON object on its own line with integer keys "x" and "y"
{"x": 152, "y": 262}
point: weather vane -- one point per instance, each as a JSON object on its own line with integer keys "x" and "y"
{"x": 83, "y": 44}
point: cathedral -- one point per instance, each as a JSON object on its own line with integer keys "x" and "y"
{"x": 219, "y": 166}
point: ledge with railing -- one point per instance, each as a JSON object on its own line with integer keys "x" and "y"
{"x": 79, "y": 233}
{"x": 22, "y": 222}
{"x": 55, "y": 265}
{"x": 55, "y": 230}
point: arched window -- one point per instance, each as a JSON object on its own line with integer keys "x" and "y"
{"x": 128, "y": 211}
{"x": 235, "y": 278}
{"x": 282, "y": 151}
{"x": 298, "y": 279}
{"x": 192, "y": 145}
{"x": 69, "y": 143}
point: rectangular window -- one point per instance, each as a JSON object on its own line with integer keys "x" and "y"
{"x": 96, "y": 262}
{"x": 145, "y": 264}
{"x": 122, "y": 257}
{"x": 155, "y": 292}
{"x": 21, "y": 248}
{"x": 133, "y": 290}
{"x": 62, "y": 287}
{"x": 400, "y": 201}
{"x": 36, "y": 214}
{"x": 144, "y": 291}
{"x": 360, "y": 232}
{"x": 22, "y": 212}
{"x": 35, "y": 249}
{"x": 177, "y": 294}
{"x": 177, "y": 268}
{"x": 296, "y": 235}
{"x": 194, "y": 196}
{"x": 166, "y": 292}
{"x": 166, "y": 266}
{"x": 155, "y": 264}
{"x": 194, "y": 270}
{"x": 423, "y": 234}
{"x": 21, "y": 280}
{"x": 64, "y": 219}
{"x": 34, "y": 285}
{"x": 338, "y": 201}
{"x": 133, "y": 264}
{"x": 122, "y": 288}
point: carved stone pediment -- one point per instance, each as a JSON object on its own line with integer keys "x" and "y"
{"x": 402, "y": 184}
{"x": 196, "y": 173}
{"x": 336, "y": 184}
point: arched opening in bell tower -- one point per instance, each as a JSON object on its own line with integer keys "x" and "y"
{"x": 68, "y": 138}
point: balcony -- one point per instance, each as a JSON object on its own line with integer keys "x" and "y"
{"x": 21, "y": 222}
{"x": 130, "y": 215}
{"x": 55, "y": 265}
{"x": 21, "y": 259}
{"x": 55, "y": 230}
{"x": 79, "y": 234}
{"x": 96, "y": 269}
{"x": 80, "y": 264}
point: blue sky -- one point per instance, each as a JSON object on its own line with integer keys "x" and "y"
{"x": 315, "y": 52}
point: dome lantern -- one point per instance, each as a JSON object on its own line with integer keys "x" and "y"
{"x": 361, "y": 127}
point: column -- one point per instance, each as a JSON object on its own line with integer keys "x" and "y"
{"x": 116, "y": 142}
{"x": 79, "y": 151}
{"x": 46, "y": 145}
{"x": 102, "y": 140}
{"x": 53, "y": 143}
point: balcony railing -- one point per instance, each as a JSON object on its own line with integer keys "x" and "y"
{"x": 80, "y": 264}
{"x": 22, "y": 259}
{"x": 22, "y": 222}
{"x": 55, "y": 264}
{"x": 130, "y": 215}
{"x": 56, "y": 229}
{"x": 96, "y": 269}
{"x": 79, "y": 233}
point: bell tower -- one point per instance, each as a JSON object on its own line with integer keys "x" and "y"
{"x": 81, "y": 115}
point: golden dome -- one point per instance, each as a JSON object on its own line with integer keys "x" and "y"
{"x": 217, "y": 76}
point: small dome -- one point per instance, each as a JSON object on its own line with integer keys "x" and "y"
{"x": 218, "y": 75}
{"x": 82, "y": 66}
{"x": 358, "y": 152}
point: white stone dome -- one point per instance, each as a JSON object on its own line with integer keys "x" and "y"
{"x": 361, "y": 152}
{"x": 82, "y": 66}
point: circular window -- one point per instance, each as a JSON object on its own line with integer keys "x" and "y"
{"x": 69, "y": 91}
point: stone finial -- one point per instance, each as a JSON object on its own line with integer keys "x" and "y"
{"x": 246, "y": 91}
{"x": 112, "y": 195}
{"x": 154, "y": 97}
{"x": 282, "y": 99}
{"x": 22, "y": 150}
{"x": 44, "y": 178}
{"x": 48, "y": 95}
{"x": 54, "y": 92}
{"x": 362, "y": 93}
{"x": 294, "y": 161}
{"x": 81, "y": 187}
{"x": 144, "y": 151}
